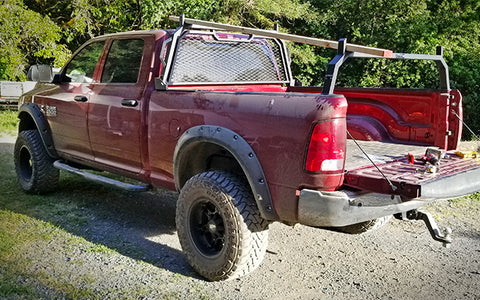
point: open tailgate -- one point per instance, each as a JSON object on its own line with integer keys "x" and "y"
{"x": 455, "y": 176}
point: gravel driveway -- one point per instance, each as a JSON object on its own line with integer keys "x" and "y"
{"x": 126, "y": 247}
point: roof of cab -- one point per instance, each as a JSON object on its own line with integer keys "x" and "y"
{"x": 157, "y": 33}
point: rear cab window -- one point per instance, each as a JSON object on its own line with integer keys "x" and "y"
{"x": 123, "y": 61}
{"x": 206, "y": 58}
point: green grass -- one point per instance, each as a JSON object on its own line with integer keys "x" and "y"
{"x": 475, "y": 197}
{"x": 39, "y": 232}
{"x": 11, "y": 288}
{"x": 8, "y": 122}
{"x": 20, "y": 234}
{"x": 99, "y": 249}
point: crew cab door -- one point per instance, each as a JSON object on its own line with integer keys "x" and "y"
{"x": 66, "y": 104}
{"x": 115, "y": 112}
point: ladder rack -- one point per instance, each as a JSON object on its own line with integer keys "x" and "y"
{"x": 285, "y": 36}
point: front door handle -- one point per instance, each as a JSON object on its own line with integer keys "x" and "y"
{"x": 80, "y": 98}
{"x": 129, "y": 102}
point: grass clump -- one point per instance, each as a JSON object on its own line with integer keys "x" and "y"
{"x": 8, "y": 122}
{"x": 20, "y": 236}
{"x": 99, "y": 249}
{"x": 11, "y": 287}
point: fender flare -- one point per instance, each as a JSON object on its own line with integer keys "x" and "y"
{"x": 41, "y": 125}
{"x": 240, "y": 150}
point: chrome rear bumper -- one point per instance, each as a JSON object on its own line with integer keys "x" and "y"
{"x": 341, "y": 208}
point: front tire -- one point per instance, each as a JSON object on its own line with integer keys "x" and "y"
{"x": 33, "y": 165}
{"x": 219, "y": 226}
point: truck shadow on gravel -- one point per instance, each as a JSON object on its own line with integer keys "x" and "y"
{"x": 138, "y": 225}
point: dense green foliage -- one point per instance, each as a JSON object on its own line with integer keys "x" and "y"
{"x": 27, "y": 37}
{"x": 42, "y": 31}
{"x": 414, "y": 26}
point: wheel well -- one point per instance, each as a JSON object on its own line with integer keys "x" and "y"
{"x": 31, "y": 118}
{"x": 204, "y": 156}
{"x": 205, "y": 148}
{"x": 26, "y": 122}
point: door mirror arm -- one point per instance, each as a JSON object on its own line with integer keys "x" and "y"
{"x": 59, "y": 78}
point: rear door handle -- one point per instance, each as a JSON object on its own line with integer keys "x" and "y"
{"x": 129, "y": 102}
{"x": 80, "y": 98}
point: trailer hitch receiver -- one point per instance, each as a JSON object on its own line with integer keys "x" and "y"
{"x": 435, "y": 232}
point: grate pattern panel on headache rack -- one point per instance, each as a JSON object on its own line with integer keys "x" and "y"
{"x": 204, "y": 59}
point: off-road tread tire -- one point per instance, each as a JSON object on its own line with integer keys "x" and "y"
{"x": 246, "y": 236}
{"x": 366, "y": 226}
{"x": 44, "y": 176}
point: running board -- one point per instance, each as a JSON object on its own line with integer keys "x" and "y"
{"x": 100, "y": 179}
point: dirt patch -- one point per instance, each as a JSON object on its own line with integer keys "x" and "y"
{"x": 105, "y": 243}
{"x": 6, "y": 144}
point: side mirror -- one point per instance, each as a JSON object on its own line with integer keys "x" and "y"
{"x": 40, "y": 73}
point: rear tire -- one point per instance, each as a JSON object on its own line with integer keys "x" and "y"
{"x": 33, "y": 165}
{"x": 366, "y": 226}
{"x": 219, "y": 226}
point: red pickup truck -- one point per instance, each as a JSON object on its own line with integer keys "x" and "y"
{"x": 217, "y": 116}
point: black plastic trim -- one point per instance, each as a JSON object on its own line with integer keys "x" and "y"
{"x": 240, "y": 150}
{"x": 41, "y": 125}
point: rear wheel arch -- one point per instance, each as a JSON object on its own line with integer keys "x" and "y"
{"x": 32, "y": 118}
{"x": 204, "y": 148}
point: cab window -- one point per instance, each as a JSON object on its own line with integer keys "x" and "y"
{"x": 82, "y": 66}
{"x": 123, "y": 61}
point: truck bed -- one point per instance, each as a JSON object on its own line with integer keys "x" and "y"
{"x": 379, "y": 152}
{"x": 453, "y": 177}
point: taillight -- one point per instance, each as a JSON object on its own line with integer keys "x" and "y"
{"x": 326, "y": 150}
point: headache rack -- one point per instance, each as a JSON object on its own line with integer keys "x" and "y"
{"x": 271, "y": 63}
{"x": 195, "y": 55}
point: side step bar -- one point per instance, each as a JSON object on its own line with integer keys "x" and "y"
{"x": 100, "y": 179}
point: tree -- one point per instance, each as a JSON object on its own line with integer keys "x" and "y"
{"x": 414, "y": 26}
{"x": 26, "y": 37}
{"x": 45, "y": 28}
{"x": 81, "y": 20}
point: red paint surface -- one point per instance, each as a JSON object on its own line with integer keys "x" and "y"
{"x": 402, "y": 115}
{"x": 274, "y": 124}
